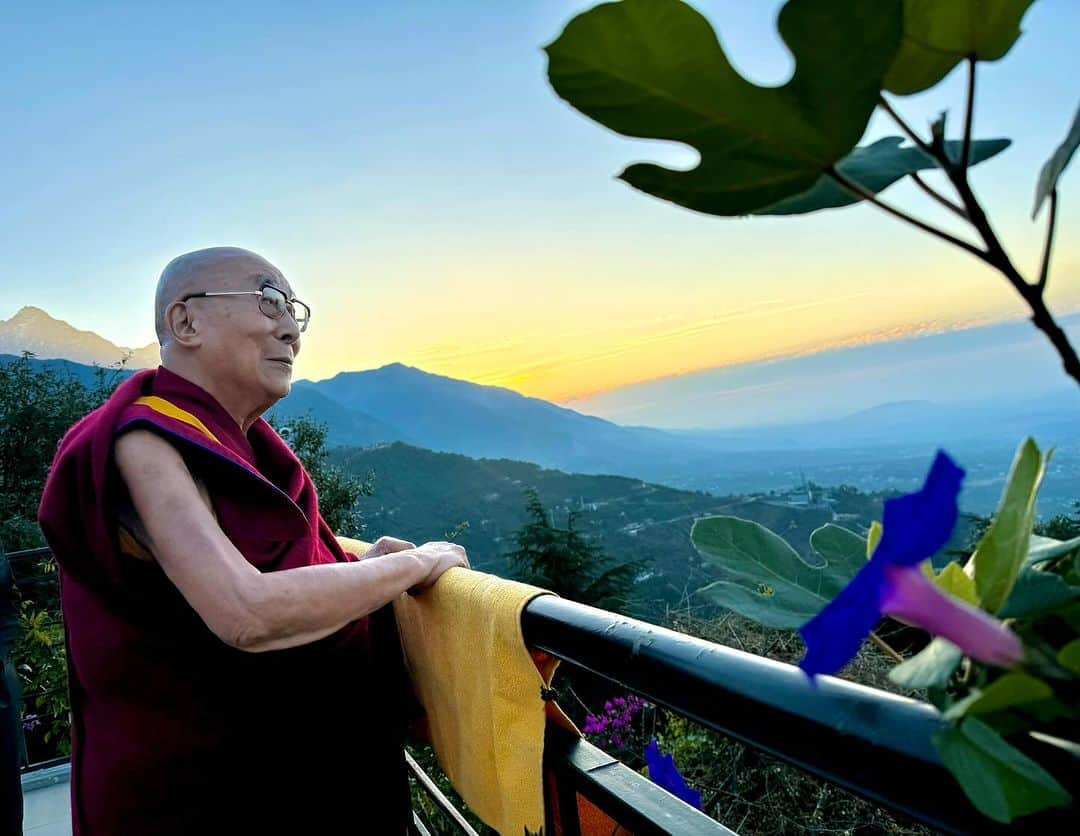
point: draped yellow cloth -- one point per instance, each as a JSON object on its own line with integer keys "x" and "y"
{"x": 480, "y": 687}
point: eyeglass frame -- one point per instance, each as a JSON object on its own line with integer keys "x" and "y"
{"x": 302, "y": 325}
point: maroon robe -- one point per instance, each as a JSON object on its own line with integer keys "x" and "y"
{"x": 174, "y": 731}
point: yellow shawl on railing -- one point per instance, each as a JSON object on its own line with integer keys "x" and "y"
{"x": 480, "y": 688}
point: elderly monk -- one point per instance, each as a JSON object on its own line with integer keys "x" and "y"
{"x": 232, "y": 669}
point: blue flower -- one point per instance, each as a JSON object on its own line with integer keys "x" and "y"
{"x": 663, "y": 773}
{"x": 914, "y": 527}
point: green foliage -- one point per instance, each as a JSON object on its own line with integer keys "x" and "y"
{"x": 1001, "y": 552}
{"x": 1037, "y": 592}
{"x": 1061, "y": 526}
{"x": 1028, "y": 578}
{"x": 939, "y": 35}
{"x": 654, "y": 69}
{"x": 998, "y": 779}
{"x": 765, "y": 579}
{"x": 953, "y": 580}
{"x": 339, "y": 492}
{"x": 41, "y": 664}
{"x": 1014, "y": 688}
{"x": 931, "y": 667}
{"x": 839, "y": 546}
{"x": 562, "y": 560}
{"x": 876, "y": 167}
{"x": 37, "y": 406}
{"x": 1054, "y": 167}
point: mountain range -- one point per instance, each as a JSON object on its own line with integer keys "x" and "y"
{"x": 969, "y": 365}
{"x": 32, "y": 329}
{"x": 887, "y": 446}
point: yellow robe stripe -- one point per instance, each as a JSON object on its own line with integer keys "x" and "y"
{"x": 170, "y": 409}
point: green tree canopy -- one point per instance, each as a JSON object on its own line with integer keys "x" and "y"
{"x": 338, "y": 492}
{"x": 37, "y": 406}
{"x": 562, "y": 560}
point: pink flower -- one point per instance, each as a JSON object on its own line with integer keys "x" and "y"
{"x": 911, "y": 597}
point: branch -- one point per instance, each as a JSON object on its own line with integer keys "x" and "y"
{"x": 1044, "y": 271}
{"x": 968, "y": 116}
{"x": 885, "y": 647}
{"x": 855, "y": 188}
{"x": 904, "y": 126}
{"x": 938, "y": 196}
{"x": 996, "y": 257}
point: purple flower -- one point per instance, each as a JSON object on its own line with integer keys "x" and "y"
{"x": 915, "y": 526}
{"x": 31, "y": 722}
{"x": 663, "y": 773}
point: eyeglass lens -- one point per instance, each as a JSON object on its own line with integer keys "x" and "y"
{"x": 274, "y": 304}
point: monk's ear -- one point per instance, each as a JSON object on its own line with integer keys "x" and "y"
{"x": 182, "y": 326}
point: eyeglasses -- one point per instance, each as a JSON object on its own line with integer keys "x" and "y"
{"x": 272, "y": 302}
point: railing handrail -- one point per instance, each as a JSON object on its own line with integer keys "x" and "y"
{"x": 876, "y": 744}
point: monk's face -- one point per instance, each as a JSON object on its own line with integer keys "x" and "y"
{"x": 243, "y": 348}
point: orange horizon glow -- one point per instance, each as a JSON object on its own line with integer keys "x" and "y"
{"x": 586, "y": 357}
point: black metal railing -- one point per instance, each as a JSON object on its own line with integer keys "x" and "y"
{"x": 875, "y": 744}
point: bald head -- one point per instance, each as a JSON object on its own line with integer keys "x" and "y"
{"x": 216, "y": 268}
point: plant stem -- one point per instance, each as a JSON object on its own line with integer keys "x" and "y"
{"x": 996, "y": 257}
{"x": 855, "y": 188}
{"x": 994, "y": 254}
{"x": 1044, "y": 270}
{"x": 899, "y": 120}
{"x": 885, "y": 647}
{"x": 968, "y": 116}
{"x": 938, "y": 196}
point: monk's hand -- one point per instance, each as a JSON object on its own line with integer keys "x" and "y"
{"x": 437, "y": 558}
{"x": 387, "y": 545}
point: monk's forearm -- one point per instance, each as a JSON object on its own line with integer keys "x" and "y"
{"x": 297, "y": 606}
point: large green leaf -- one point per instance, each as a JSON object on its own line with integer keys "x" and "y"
{"x": 1002, "y": 550}
{"x": 655, "y": 69}
{"x": 1036, "y": 593}
{"x": 1012, "y": 689}
{"x": 876, "y": 167}
{"x": 1069, "y": 656}
{"x": 838, "y": 545}
{"x": 1054, "y": 167}
{"x": 1001, "y": 781}
{"x": 765, "y": 579}
{"x": 938, "y": 34}
{"x": 929, "y": 668}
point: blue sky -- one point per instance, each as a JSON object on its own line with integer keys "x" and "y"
{"x": 411, "y": 170}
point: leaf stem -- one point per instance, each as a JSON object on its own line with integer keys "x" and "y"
{"x": 969, "y": 114}
{"x": 938, "y": 196}
{"x": 1044, "y": 270}
{"x": 904, "y": 126}
{"x": 865, "y": 194}
{"x": 885, "y": 647}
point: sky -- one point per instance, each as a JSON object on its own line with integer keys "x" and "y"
{"x": 410, "y": 169}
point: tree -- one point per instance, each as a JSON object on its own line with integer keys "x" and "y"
{"x": 37, "y": 406}
{"x": 338, "y": 492}
{"x": 1061, "y": 526}
{"x": 562, "y": 560}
